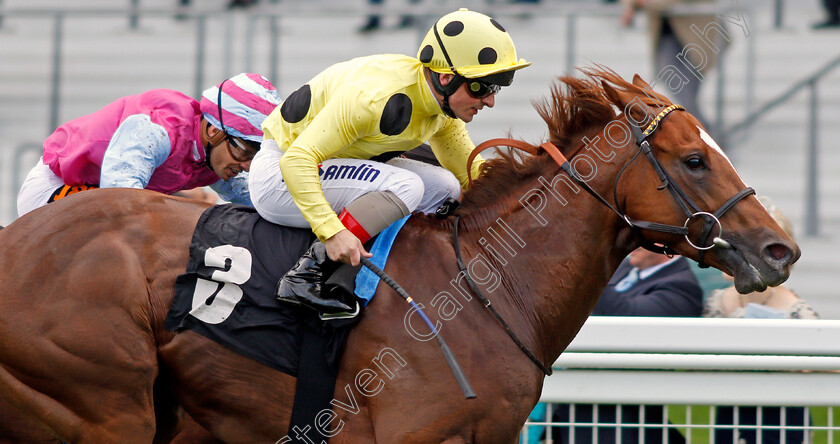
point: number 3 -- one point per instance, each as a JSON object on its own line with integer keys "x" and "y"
{"x": 215, "y": 309}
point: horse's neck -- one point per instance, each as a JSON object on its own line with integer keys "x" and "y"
{"x": 546, "y": 278}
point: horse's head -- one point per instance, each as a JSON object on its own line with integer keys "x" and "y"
{"x": 676, "y": 175}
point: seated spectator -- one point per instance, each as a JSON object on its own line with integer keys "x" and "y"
{"x": 774, "y": 302}
{"x": 651, "y": 284}
{"x": 645, "y": 284}
{"x": 710, "y": 279}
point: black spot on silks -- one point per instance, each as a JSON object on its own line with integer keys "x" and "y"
{"x": 396, "y": 116}
{"x": 296, "y": 106}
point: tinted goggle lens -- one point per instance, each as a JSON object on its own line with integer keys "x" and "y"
{"x": 480, "y": 90}
{"x": 239, "y": 151}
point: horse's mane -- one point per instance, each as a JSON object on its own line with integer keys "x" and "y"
{"x": 576, "y": 105}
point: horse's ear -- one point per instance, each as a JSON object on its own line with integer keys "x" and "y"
{"x": 629, "y": 104}
{"x": 637, "y": 80}
{"x": 612, "y": 94}
{"x": 658, "y": 99}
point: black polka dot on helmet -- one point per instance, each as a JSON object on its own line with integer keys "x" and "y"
{"x": 469, "y": 45}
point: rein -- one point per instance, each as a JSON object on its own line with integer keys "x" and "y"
{"x": 486, "y": 303}
{"x": 688, "y": 206}
{"x": 460, "y": 377}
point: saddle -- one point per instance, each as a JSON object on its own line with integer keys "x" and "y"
{"x": 227, "y": 294}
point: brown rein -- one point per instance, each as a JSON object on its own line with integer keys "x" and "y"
{"x": 513, "y": 143}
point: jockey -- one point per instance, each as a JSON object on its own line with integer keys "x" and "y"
{"x": 160, "y": 140}
{"x": 326, "y": 146}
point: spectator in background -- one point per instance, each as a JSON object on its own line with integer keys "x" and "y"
{"x": 241, "y": 3}
{"x": 774, "y": 302}
{"x": 669, "y": 35}
{"x": 374, "y": 19}
{"x": 832, "y": 10}
{"x": 651, "y": 284}
{"x": 181, "y": 9}
{"x": 645, "y": 284}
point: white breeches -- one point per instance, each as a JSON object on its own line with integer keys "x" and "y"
{"x": 421, "y": 186}
{"x": 37, "y": 188}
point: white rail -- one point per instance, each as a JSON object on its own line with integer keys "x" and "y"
{"x": 700, "y": 361}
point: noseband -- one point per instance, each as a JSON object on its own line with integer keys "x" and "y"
{"x": 691, "y": 210}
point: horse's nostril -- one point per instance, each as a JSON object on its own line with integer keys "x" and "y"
{"x": 779, "y": 252}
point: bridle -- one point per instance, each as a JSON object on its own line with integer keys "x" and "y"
{"x": 691, "y": 210}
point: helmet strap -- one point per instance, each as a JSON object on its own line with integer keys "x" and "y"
{"x": 212, "y": 141}
{"x": 221, "y": 134}
{"x": 207, "y": 149}
{"x": 445, "y": 53}
{"x": 453, "y": 85}
{"x": 446, "y": 90}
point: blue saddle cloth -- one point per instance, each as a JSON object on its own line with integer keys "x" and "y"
{"x": 366, "y": 280}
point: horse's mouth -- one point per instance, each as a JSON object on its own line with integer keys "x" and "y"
{"x": 751, "y": 272}
{"x": 749, "y": 280}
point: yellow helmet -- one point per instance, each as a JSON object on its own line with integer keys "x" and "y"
{"x": 471, "y": 45}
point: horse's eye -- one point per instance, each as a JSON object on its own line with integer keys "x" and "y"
{"x": 694, "y": 163}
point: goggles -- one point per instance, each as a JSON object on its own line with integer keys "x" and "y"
{"x": 239, "y": 150}
{"x": 480, "y": 90}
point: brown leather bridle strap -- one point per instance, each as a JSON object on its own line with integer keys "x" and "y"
{"x": 533, "y": 150}
{"x": 555, "y": 153}
{"x": 492, "y": 143}
{"x": 559, "y": 158}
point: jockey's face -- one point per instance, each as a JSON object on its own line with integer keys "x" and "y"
{"x": 224, "y": 165}
{"x": 221, "y": 159}
{"x": 464, "y": 105}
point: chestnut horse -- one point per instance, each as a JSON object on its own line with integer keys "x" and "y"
{"x": 88, "y": 281}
